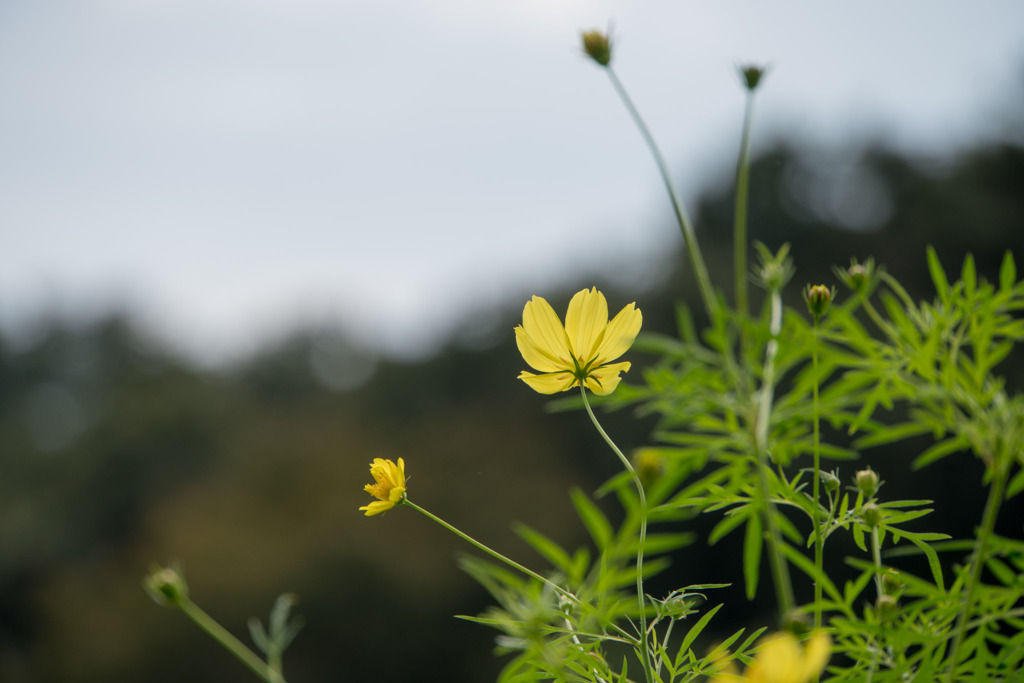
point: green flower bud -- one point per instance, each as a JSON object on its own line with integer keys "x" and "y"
{"x": 166, "y": 586}
{"x": 752, "y": 75}
{"x": 891, "y": 582}
{"x": 858, "y": 275}
{"x": 598, "y": 47}
{"x": 886, "y": 606}
{"x": 796, "y": 622}
{"x": 871, "y": 514}
{"x": 819, "y": 298}
{"x": 867, "y": 482}
{"x": 649, "y": 464}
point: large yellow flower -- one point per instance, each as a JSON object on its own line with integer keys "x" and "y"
{"x": 580, "y": 352}
{"x": 781, "y": 659}
{"x": 390, "y": 486}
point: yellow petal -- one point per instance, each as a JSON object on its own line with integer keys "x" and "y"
{"x": 603, "y": 380}
{"x": 544, "y": 330}
{"x": 536, "y": 357}
{"x": 778, "y": 661}
{"x": 550, "y": 383}
{"x": 728, "y": 674}
{"x": 816, "y": 655}
{"x": 619, "y": 335}
{"x": 585, "y": 322}
{"x": 377, "y": 507}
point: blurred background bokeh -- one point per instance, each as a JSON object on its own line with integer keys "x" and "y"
{"x": 247, "y": 247}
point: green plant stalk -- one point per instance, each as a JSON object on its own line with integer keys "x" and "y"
{"x": 230, "y": 642}
{"x": 700, "y": 270}
{"x": 739, "y": 228}
{"x": 819, "y": 550}
{"x": 274, "y": 664}
{"x": 493, "y": 553}
{"x": 876, "y": 556}
{"x": 645, "y": 654}
{"x": 988, "y": 522}
{"x": 780, "y": 570}
{"x": 510, "y": 562}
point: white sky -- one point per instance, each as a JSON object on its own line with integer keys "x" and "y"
{"x": 229, "y": 168}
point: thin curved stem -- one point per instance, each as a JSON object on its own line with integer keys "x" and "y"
{"x": 490, "y": 551}
{"x": 780, "y": 570}
{"x": 644, "y": 651}
{"x": 229, "y": 641}
{"x": 819, "y": 550}
{"x": 700, "y": 270}
{"x": 509, "y": 561}
{"x": 740, "y": 216}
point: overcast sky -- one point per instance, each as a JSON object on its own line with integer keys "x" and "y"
{"x": 227, "y": 169}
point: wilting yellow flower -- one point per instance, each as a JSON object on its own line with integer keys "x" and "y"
{"x": 580, "y": 352}
{"x": 782, "y": 659}
{"x": 390, "y": 486}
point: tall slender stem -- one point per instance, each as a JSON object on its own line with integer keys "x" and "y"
{"x": 780, "y": 570}
{"x": 510, "y": 562}
{"x": 644, "y": 652}
{"x": 490, "y": 551}
{"x": 819, "y": 550}
{"x": 739, "y": 240}
{"x": 876, "y": 557}
{"x": 229, "y": 641}
{"x": 988, "y": 522}
{"x": 700, "y": 270}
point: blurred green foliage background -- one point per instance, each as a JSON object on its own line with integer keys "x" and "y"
{"x": 115, "y": 453}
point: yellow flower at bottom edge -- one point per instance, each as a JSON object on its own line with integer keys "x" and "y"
{"x": 390, "y": 486}
{"x": 781, "y": 659}
{"x": 580, "y": 353}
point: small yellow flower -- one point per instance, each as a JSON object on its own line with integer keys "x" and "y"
{"x": 390, "y": 486}
{"x": 580, "y": 352}
{"x": 781, "y": 659}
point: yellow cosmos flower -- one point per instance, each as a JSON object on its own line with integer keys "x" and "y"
{"x": 390, "y": 486}
{"x": 782, "y": 659}
{"x": 580, "y": 353}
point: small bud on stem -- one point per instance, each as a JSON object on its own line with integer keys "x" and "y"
{"x": 166, "y": 586}
{"x": 819, "y": 298}
{"x": 871, "y": 514}
{"x": 598, "y": 47}
{"x": 752, "y": 75}
{"x": 867, "y": 482}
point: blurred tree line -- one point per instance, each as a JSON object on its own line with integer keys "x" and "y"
{"x": 115, "y": 453}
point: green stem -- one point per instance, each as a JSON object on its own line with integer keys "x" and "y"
{"x": 780, "y": 570}
{"x": 493, "y": 553}
{"x": 700, "y": 270}
{"x": 819, "y": 550}
{"x": 645, "y": 654}
{"x": 510, "y": 562}
{"x": 988, "y": 522}
{"x": 739, "y": 245}
{"x": 230, "y": 642}
{"x": 876, "y": 556}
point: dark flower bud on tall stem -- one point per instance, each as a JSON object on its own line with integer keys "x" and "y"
{"x": 598, "y": 47}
